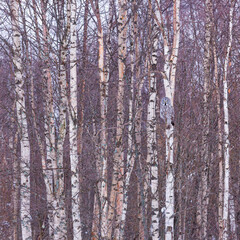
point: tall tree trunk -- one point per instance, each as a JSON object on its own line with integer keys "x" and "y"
{"x": 47, "y": 163}
{"x": 220, "y": 139}
{"x": 205, "y": 122}
{"x": 23, "y": 128}
{"x": 226, "y": 130}
{"x": 81, "y": 90}
{"x": 59, "y": 215}
{"x": 73, "y": 127}
{"x": 116, "y": 197}
{"x": 131, "y": 125}
{"x": 152, "y": 159}
{"x": 169, "y": 85}
{"x": 102, "y": 161}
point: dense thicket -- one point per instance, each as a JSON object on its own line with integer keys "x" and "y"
{"x": 84, "y": 153}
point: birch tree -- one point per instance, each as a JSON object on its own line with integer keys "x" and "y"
{"x": 220, "y": 138}
{"x": 205, "y": 121}
{"x": 73, "y": 126}
{"x": 226, "y": 129}
{"x": 22, "y": 124}
{"x": 169, "y": 78}
{"x": 49, "y": 125}
{"x": 152, "y": 159}
{"x": 116, "y": 196}
{"x": 59, "y": 215}
{"x": 102, "y": 162}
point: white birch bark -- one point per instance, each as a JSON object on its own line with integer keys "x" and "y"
{"x": 59, "y": 208}
{"x": 152, "y": 140}
{"x": 16, "y": 185}
{"x": 226, "y": 131}
{"x": 73, "y": 127}
{"x": 103, "y": 169}
{"x": 23, "y": 128}
{"x": 232, "y": 217}
{"x": 169, "y": 85}
{"x": 220, "y": 138}
{"x": 47, "y": 163}
{"x": 205, "y": 122}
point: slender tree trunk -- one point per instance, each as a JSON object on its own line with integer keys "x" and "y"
{"x": 116, "y": 196}
{"x": 47, "y": 163}
{"x": 152, "y": 159}
{"x": 73, "y": 127}
{"x": 103, "y": 135}
{"x": 131, "y": 125}
{"x": 16, "y": 186}
{"x": 60, "y": 224}
{"x": 102, "y": 162}
{"x": 23, "y": 128}
{"x": 81, "y": 91}
{"x": 205, "y": 122}
{"x": 169, "y": 85}
{"x": 232, "y": 217}
{"x": 220, "y": 139}
{"x": 226, "y": 130}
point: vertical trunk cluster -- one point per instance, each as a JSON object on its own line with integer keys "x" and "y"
{"x": 131, "y": 123}
{"x": 73, "y": 126}
{"x": 102, "y": 210}
{"x": 47, "y": 163}
{"x": 22, "y": 126}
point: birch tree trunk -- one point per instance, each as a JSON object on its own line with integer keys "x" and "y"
{"x": 47, "y": 164}
{"x": 152, "y": 159}
{"x": 16, "y": 186}
{"x": 102, "y": 162}
{"x": 169, "y": 85}
{"x": 23, "y": 128}
{"x": 226, "y": 130}
{"x": 116, "y": 196}
{"x": 73, "y": 127}
{"x": 205, "y": 121}
{"x": 59, "y": 215}
{"x": 220, "y": 139}
{"x": 103, "y": 135}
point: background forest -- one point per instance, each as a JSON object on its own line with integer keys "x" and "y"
{"x": 119, "y": 119}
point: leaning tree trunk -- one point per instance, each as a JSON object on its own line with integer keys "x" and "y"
{"x": 73, "y": 127}
{"x": 23, "y": 128}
